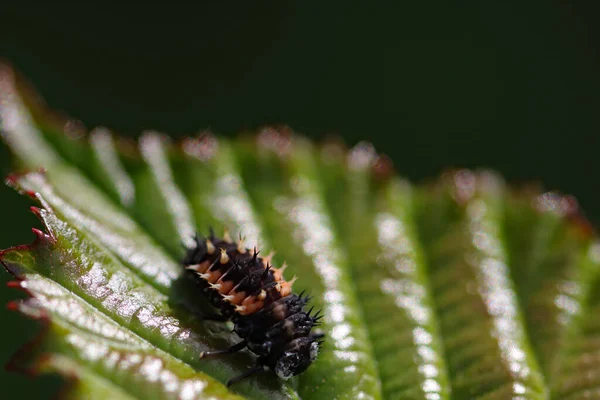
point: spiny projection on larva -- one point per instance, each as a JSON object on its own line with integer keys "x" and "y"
{"x": 265, "y": 312}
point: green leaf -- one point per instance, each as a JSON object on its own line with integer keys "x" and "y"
{"x": 462, "y": 288}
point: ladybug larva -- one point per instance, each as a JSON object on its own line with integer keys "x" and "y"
{"x": 265, "y": 312}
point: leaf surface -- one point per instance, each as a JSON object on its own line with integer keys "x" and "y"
{"x": 462, "y": 288}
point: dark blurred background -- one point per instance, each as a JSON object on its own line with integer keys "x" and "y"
{"x": 510, "y": 84}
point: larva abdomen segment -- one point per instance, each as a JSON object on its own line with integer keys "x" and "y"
{"x": 237, "y": 280}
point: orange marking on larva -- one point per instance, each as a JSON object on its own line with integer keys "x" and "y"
{"x": 227, "y": 298}
{"x": 254, "y": 307}
{"x": 214, "y": 276}
{"x": 249, "y": 300}
{"x": 278, "y": 273}
{"x": 240, "y": 309}
{"x": 278, "y": 287}
{"x": 203, "y": 267}
{"x": 226, "y": 286}
{"x": 205, "y": 276}
{"x": 237, "y": 297}
{"x": 286, "y": 287}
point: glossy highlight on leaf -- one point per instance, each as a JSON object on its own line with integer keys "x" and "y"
{"x": 460, "y": 288}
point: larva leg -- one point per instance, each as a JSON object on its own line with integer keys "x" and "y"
{"x": 233, "y": 349}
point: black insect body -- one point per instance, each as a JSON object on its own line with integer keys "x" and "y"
{"x": 266, "y": 314}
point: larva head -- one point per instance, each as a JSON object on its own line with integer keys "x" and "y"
{"x": 297, "y": 357}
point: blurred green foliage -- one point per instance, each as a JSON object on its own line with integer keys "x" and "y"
{"x": 509, "y": 85}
